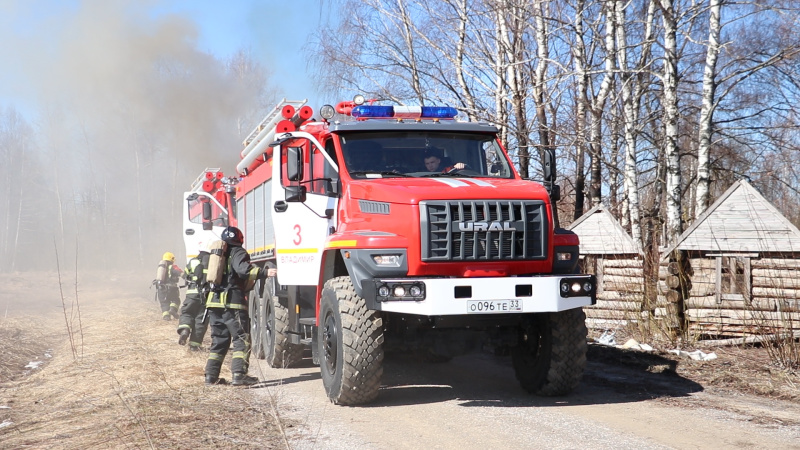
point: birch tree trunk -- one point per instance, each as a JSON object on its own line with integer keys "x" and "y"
{"x": 670, "y": 105}
{"x": 542, "y": 58}
{"x": 516, "y": 86}
{"x": 469, "y": 99}
{"x": 598, "y": 107}
{"x": 707, "y": 110}
{"x": 630, "y": 114}
{"x": 579, "y": 57}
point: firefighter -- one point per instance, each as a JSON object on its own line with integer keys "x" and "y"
{"x": 192, "y": 326}
{"x": 167, "y": 287}
{"x": 227, "y": 311}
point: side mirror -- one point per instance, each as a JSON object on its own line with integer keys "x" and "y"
{"x": 555, "y": 192}
{"x": 206, "y": 211}
{"x": 296, "y": 194}
{"x": 207, "y": 225}
{"x": 294, "y": 164}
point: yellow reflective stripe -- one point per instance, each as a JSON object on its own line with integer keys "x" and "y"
{"x": 184, "y": 326}
{"x": 165, "y": 313}
{"x": 192, "y": 291}
{"x": 215, "y": 356}
{"x": 297, "y": 250}
{"x": 173, "y": 304}
{"x": 238, "y": 355}
{"x": 338, "y": 244}
{"x": 253, "y": 274}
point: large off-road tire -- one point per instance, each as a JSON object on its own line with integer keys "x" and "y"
{"x": 258, "y": 310}
{"x": 550, "y": 357}
{"x": 278, "y": 351}
{"x": 350, "y": 345}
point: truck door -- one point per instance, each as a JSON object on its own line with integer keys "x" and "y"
{"x": 302, "y": 226}
{"x": 204, "y": 218}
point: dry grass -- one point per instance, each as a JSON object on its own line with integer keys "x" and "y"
{"x": 133, "y": 386}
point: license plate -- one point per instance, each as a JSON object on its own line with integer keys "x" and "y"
{"x": 493, "y": 306}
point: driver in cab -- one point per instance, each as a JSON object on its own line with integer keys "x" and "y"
{"x": 435, "y": 162}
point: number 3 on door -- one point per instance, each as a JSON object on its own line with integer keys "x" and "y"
{"x": 297, "y": 240}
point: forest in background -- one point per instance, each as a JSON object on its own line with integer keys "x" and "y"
{"x": 653, "y": 107}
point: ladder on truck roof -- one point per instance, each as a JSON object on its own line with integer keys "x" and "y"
{"x": 197, "y": 185}
{"x": 272, "y": 118}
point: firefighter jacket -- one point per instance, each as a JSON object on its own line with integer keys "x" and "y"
{"x": 238, "y": 275}
{"x": 196, "y": 270}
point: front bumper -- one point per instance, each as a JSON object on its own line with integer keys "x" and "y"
{"x": 495, "y": 295}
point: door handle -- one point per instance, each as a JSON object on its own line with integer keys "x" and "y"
{"x": 280, "y": 206}
{"x": 189, "y": 231}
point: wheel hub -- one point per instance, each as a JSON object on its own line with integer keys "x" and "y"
{"x": 330, "y": 340}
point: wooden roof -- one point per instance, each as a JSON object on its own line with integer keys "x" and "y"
{"x": 741, "y": 220}
{"x": 601, "y": 234}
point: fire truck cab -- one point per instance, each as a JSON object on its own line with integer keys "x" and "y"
{"x": 403, "y": 229}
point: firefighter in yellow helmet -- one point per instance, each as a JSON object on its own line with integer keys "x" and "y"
{"x": 191, "y": 326}
{"x": 167, "y": 277}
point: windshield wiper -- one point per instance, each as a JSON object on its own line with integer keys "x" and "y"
{"x": 447, "y": 174}
{"x": 388, "y": 173}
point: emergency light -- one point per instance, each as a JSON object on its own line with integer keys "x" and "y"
{"x": 404, "y": 112}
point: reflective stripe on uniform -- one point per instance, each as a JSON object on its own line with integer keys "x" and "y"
{"x": 215, "y": 357}
{"x": 192, "y": 291}
{"x": 222, "y": 301}
{"x": 184, "y": 326}
{"x": 238, "y": 355}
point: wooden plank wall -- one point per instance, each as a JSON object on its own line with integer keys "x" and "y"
{"x": 620, "y": 292}
{"x": 774, "y": 303}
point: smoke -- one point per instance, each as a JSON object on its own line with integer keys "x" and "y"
{"x": 125, "y": 113}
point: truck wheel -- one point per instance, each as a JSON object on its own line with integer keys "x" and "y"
{"x": 278, "y": 350}
{"x": 258, "y": 309}
{"x": 350, "y": 345}
{"x": 551, "y": 354}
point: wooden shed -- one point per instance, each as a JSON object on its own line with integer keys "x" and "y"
{"x": 745, "y": 271}
{"x": 609, "y": 252}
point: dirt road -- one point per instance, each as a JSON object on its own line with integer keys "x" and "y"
{"x": 132, "y": 386}
{"x": 474, "y": 402}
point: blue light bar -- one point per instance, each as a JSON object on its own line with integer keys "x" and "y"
{"x": 404, "y": 112}
{"x": 373, "y": 111}
{"x": 439, "y": 112}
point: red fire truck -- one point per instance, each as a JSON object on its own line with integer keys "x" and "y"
{"x": 378, "y": 250}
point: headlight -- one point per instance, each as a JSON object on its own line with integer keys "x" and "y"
{"x": 576, "y": 287}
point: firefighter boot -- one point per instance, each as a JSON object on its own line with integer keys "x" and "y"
{"x": 184, "y": 336}
{"x": 211, "y": 380}
{"x": 240, "y": 379}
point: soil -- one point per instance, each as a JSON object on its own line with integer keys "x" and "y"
{"x": 112, "y": 375}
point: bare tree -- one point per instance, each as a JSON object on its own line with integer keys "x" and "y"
{"x": 670, "y": 105}
{"x": 598, "y": 105}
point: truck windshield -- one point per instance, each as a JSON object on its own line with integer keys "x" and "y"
{"x": 423, "y": 154}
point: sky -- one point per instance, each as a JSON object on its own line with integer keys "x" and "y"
{"x": 273, "y": 31}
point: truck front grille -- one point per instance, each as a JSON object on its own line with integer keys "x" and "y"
{"x": 483, "y": 230}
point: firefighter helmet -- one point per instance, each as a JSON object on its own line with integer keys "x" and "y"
{"x": 168, "y": 256}
{"x": 232, "y": 236}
